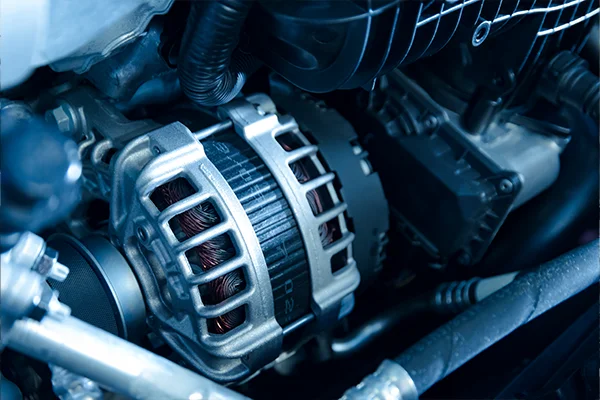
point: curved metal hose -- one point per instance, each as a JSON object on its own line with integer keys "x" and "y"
{"x": 211, "y": 71}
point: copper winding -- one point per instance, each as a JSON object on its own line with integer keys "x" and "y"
{"x": 313, "y": 197}
{"x": 210, "y": 253}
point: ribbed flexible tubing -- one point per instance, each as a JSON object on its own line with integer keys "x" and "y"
{"x": 211, "y": 71}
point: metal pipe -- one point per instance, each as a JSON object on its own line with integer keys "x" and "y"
{"x": 113, "y": 362}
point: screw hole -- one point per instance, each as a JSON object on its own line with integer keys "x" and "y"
{"x": 506, "y": 186}
{"x": 142, "y": 234}
{"x": 156, "y": 150}
{"x": 481, "y": 33}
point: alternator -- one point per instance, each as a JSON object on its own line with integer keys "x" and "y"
{"x": 238, "y": 234}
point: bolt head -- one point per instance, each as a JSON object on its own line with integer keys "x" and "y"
{"x": 506, "y": 186}
{"x": 431, "y": 122}
{"x": 60, "y": 116}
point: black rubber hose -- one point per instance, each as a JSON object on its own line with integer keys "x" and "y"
{"x": 448, "y": 298}
{"x": 545, "y": 227}
{"x": 369, "y": 332}
{"x": 211, "y": 71}
{"x": 482, "y": 325}
{"x": 567, "y": 80}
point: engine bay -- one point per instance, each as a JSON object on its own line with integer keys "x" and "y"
{"x": 300, "y": 199}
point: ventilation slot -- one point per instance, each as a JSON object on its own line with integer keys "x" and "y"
{"x": 339, "y": 261}
{"x": 304, "y": 170}
{"x": 192, "y": 221}
{"x": 187, "y": 227}
{"x": 223, "y": 288}
{"x": 227, "y": 322}
{"x": 171, "y": 192}
{"x": 330, "y": 231}
{"x": 289, "y": 141}
{"x": 206, "y": 256}
{"x": 211, "y": 253}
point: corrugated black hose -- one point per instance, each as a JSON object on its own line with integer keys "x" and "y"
{"x": 211, "y": 70}
{"x": 567, "y": 80}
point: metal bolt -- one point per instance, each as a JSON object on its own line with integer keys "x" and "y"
{"x": 62, "y": 118}
{"x": 464, "y": 258}
{"x": 431, "y": 122}
{"x": 142, "y": 234}
{"x": 506, "y": 186}
{"x": 481, "y": 33}
{"x": 28, "y": 250}
{"x": 49, "y": 266}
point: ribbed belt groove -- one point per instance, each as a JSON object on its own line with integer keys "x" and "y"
{"x": 272, "y": 220}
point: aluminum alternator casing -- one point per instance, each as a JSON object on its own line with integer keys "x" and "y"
{"x": 171, "y": 287}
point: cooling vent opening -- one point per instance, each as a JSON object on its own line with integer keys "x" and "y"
{"x": 320, "y": 200}
{"x": 190, "y": 222}
{"x": 339, "y": 261}
{"x": 211, "y": 253}
{"x": 289, "y": 141}
{"x": 330, "y": 231}
{"x": 227, "y": 322}
{"x": 304, "y": 169}
{"x": 223, "y": 288}
{"x": 195, "y": 220}
{"x": 108, "y": 155}
{"x": 172, "y": 192}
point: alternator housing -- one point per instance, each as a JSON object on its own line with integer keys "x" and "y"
{"x": 246, "y": 171}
